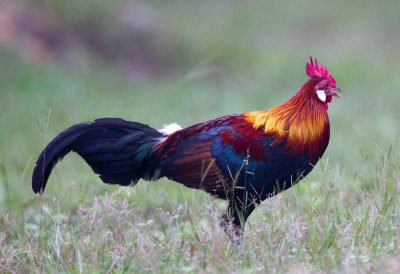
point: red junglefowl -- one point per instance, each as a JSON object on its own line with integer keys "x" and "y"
{"x": 243, "y": 158}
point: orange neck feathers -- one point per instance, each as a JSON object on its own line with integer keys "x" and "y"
{"x": 302, "y": 122}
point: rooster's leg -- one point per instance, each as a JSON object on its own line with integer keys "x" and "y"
{"x": 233, "y": 230}
{"x": 241, "y": 205}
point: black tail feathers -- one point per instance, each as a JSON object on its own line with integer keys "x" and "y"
{"x": 118, "y": 150}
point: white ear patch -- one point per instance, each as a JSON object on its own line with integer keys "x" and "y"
{"x": 169, "y": 128}
{"x": 321, "y": 95}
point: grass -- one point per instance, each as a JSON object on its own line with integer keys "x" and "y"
{"x": 343, "y": 217}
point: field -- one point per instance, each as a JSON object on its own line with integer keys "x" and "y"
{"x": 187, "y": 62}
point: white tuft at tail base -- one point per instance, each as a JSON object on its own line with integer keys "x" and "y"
{"x": 169, "y": 128}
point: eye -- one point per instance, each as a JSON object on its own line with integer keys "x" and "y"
{"x": 327, "y": 84}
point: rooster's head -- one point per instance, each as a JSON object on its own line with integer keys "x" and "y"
{"x": 325, "y": 86}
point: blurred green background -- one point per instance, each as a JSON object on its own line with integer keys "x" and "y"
{"x": 187, "y": 61}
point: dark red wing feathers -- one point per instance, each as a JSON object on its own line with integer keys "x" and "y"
{"x": 244, "y": 139}
{"x": 200, "y": 156}
{"x": 196, "y": 168}
{"x": 189, "y": 158}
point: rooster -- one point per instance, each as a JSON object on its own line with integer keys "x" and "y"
{"x": 243, "y": 158}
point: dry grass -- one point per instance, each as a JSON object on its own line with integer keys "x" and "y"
{"x": 336, "y": 229}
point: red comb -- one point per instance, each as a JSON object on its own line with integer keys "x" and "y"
{"x": 314, "y": 70}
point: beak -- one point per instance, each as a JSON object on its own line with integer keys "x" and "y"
{"x": 338, "y": 93}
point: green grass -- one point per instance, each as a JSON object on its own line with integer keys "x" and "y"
{"x": 343, "y": 217}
